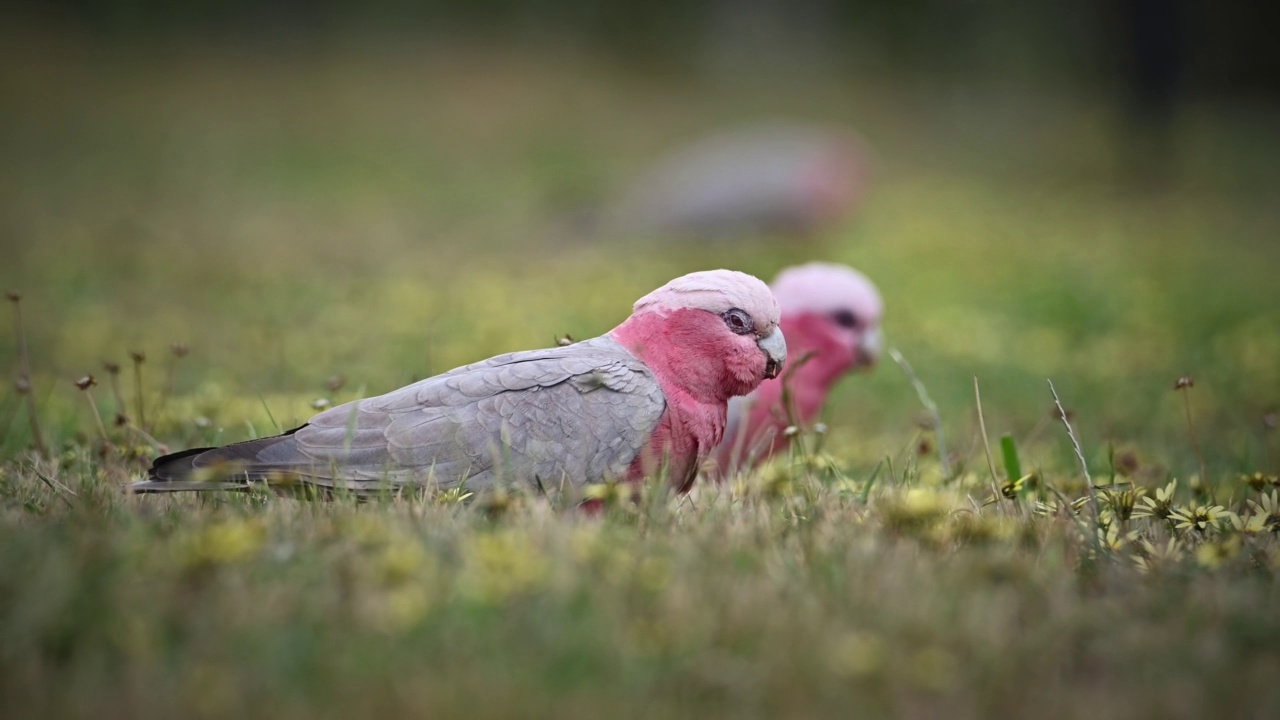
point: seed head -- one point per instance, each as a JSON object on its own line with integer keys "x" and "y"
{"x": 1258, "y": 481}
{"x": 1056, "y": 414}
{"x": 564, "y": 341}
{"x": 86, "y": 382}
{"x": 1270, "y": 420}
{"x": 138, "y": 356}
{"x": 179, "y": 349}
{"x": 1127, "y": 463}
{"x": 111, "y": 367}
{"x": 335, "y": 382}
{"x": 13, "y": 295}
{"x": 1186, "y": 381}
{"x": 22, "y": 385}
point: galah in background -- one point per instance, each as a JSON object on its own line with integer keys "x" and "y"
{"x": 783, "y": 179}
{"x": 648, "y": 397}
{"x": 831, "y": 317}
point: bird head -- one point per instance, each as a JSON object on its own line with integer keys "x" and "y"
{"x": 832, "y": 312}
{"x": 714, "y": 333}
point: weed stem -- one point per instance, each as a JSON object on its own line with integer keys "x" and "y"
{"x": 928, "y": 404}
{"x": 1195, "y": 441}
{"x": 1084, "y": 466}
{"x": 85, "y": 384}
{"x": 986, "y": 444}
{"x": 24, "y": 382}
{"x": 138, "y": 359}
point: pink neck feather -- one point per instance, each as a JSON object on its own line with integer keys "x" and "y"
{"x": 829, "y": 358}
{"x": 696, "y": 380}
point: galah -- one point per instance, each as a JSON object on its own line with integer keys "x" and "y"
{"x": 647, "y": 398}
{"x": 783, "y": 179}
{"x": 831, "y": 317}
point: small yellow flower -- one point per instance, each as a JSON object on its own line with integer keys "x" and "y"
{"x": 454, "y": 496}
{"x": 1265, "y": 517}
{"x": 402, "y": 561}
{"x": 1199, "y": 488}
{"x": 612, "y": 494}
{"x": 776, "y": 480}
{"x": 365, "y": 528}
{"x": 1199, "y": 517}
{"x": 1214, "y": 554}
{"x": 1151, "y": 557}
{"x": 1120, "y": 504}
{"x": 977, "y": 529}
{"x": 501, "y": 564}
{"x": 918, "y": 508}
{"x": 402, "y": 607}
{"x": 1249, "y": 524}
{"x": 1259, "y": 481}
{"x": 1112, "y": 539}
{"x": 1047, "y": 508}
{"x": 225, "y": 542}
{"x": 857, "y": 654}
{"x": 1161, "y": 506}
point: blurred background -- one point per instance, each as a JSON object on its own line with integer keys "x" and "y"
{"x": 382, "y": 190}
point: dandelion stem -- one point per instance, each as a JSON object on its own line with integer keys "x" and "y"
{"x": 177, "y": 351}
{"x": 97, "y": 418}
{"x": 113, "y": 370}
{"x": 24, "y": 381}
{"x": 986, "y": 444}
{"x": 138, "y": 359}
{"x": 1084, "y": 466}
{"x": 170, "y": 375}
{"x": 1195, "y": 441}
{"x": 789, "y": 406}
{"x": 1266, "y": 452}
{"x": 928, "y": 404}
{"x": 6, "y": 417}
{"x": 1269, "y": 422}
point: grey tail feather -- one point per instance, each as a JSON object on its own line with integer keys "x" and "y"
{"x": 150, "y": 487}
{"x": 231, "y": 467}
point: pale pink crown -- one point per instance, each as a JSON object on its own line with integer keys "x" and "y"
{"x": 824, "y": 288}
{"x": 715, "y": 291}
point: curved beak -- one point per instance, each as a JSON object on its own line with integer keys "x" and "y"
{"x": 774, "y": 347}
{"x": 870, "y": 347}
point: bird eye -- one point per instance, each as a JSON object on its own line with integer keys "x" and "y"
{"x": 738, "y": 321}
{"x": 845, "y": 319}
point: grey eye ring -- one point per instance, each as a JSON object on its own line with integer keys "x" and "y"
{"x": 738, "y": 321}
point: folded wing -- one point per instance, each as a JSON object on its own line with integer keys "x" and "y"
{"x": 577, "y": 414}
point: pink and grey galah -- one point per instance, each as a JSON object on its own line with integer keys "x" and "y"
{"x": 647, "y": 398}
{"x": 776, "y": 178}
{"x": 831, "y": 316}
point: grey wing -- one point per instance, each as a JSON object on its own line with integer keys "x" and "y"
{"x": 578, "y": 414}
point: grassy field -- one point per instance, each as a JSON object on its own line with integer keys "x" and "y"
{"x": 320, "y": 225}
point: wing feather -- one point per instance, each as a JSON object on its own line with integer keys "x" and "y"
{"x": 579, "y": 414}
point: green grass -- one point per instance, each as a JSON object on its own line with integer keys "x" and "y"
{"x": 386, "y": 213}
